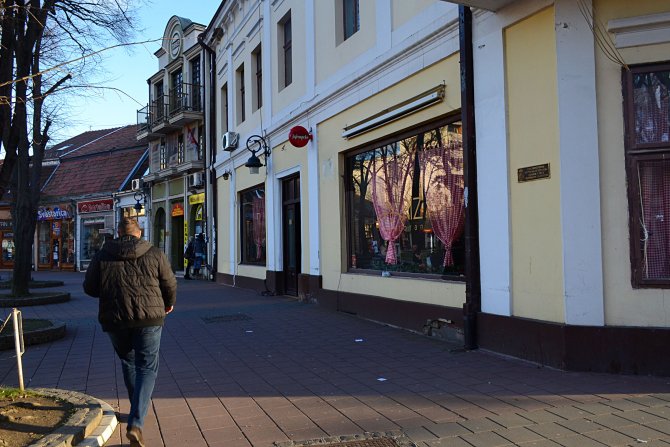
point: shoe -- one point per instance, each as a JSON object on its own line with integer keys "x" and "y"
{"x": 134, "y": 435}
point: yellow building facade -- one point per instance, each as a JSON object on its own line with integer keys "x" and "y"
{"x": 364, "y": 211}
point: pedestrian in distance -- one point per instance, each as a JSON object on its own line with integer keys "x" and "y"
{"x": 136, "y": 289}
{"x": 189, "y": 254}
{"x": 200, "y": 248}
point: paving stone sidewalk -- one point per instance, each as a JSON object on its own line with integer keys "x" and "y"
{"x": 240, "y": 369}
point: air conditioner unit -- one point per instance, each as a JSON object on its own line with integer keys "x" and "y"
{"x": 136, "y": 184}
{"x": 230, "y": 140}
{"x": 196, "y": 180}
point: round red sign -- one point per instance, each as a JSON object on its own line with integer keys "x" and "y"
{"x": 299, "y": 136}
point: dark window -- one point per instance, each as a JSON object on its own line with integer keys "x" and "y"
{"x": 177, "y": 91}
{"x": 287, "y": 52}
{"x": 159, "y": 102}
{"x": 258, "y": 61}
{"x": 351, "y": 17}
{"x": 405, "y": 204}
{"x": 241, "y": 97}
{"x": 196, "y": 88}
{"x": 647, "y": 92}
{"x": 252, "y": 230}
{"x": 224, "y": 108}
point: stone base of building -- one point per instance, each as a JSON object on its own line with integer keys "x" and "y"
{"x": 611, "y": 349}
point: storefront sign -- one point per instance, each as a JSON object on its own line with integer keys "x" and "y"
{"x": 95, "y": 206}
{"x": 298, "y": 136}
{"x": 53, "y": 213}
{"x": 196, "y": 198}
{"x": 536, "y": 172}
{"x": 5, "y": 224}
{"x": 177, "y": 210}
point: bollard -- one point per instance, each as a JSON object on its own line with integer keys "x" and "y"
{"x": 18, "y": 343}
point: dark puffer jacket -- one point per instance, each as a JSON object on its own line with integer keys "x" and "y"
{"x": 134, "y": 282}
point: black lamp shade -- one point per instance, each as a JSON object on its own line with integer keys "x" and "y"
{"x": 254, "y": 163}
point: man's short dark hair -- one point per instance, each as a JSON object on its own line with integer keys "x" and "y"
{"x": 128, "y": 225}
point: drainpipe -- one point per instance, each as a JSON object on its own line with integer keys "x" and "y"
{"x": 472, "y": 273}
{"x": 211, "y": 151}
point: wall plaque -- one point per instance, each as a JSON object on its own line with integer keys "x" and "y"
{"x": 536, "y": 172}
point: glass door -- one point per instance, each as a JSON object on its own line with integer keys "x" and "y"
{"x": 44, "y": 244}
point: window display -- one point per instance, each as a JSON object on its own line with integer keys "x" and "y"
{"x": 252, "y": 211}
{"x": 405, "y": 204}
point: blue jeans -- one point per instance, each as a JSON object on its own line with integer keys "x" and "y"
{"x": 138, "y": 350}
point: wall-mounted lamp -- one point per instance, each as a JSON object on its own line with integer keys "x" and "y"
{"x": 255, "y": 144}
{"x": 139, "y": 198}
{"x": 226, "y": 175}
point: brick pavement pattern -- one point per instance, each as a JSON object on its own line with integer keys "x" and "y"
{"x": 239, "y": 369}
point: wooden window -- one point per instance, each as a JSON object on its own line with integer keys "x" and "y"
{"x": 647, "y": 145}
{"x": 286, "y": 56}
{"x": 258, "y": 91}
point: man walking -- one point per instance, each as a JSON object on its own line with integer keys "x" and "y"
{"x": 137, "y": 289}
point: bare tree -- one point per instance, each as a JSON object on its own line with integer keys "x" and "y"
{"x": 44, "y": 44}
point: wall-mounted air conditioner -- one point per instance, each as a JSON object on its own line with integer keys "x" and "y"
{"x": 196, "y": 180}
{"x": 230, "y": 140}
{"x": 136, "y": 184}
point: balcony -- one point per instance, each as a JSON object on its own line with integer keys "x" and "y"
{"x": 143, "y": 124}
{"x": 186, "y": 104}
{"x": 158, "y": 116}
{"x": 173, "y": 160}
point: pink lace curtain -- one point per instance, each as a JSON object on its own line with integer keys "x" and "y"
{"x": 654, "y": 179}
{"x": 391, "y": 174}
{"x": 442, "y": 168}
{"x": 258, "y": 210}
{"x": 652, "y": 125}
{"x": 652, "y": 120}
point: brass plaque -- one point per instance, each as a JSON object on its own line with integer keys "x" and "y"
{"x": 536, "y": 172}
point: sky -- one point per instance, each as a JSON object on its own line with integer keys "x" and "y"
{"x": 128, "y": 70}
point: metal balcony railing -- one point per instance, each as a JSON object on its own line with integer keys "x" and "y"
{"x": 143, "y": 120}
{"x": 186, "y": 98}
{"x": 158, "y": 110}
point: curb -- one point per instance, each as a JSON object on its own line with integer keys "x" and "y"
{"x": 36, "y": 300}
{"x": 38, "y": 336}
{"x": 91, "y": 424}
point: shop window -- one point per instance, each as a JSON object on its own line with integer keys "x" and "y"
{"x": 252, "y": 225}
{"x": 92, "y": 237}
{"x": 647, "y": 104}
{"x": 405, "y": 208}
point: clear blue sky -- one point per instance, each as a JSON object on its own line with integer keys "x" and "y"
{"x": 128, "y": 70}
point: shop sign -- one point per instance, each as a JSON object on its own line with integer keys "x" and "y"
{"x": 53, "y": 213}
{"x": 196, "y": 198}
{"x": 298, "y": 136}
{"x": 5, "y": 224}
{"x": 95, "y": 206}
{"x": 177, "y": 210}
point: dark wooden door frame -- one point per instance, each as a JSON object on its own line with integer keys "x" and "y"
{"x": 291, "y": 280}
